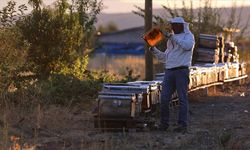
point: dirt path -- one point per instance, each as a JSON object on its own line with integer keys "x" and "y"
{"x": 218, "y": 121}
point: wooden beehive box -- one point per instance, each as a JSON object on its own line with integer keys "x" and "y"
{"x": 153, "y": 37}
{"x": 242, "y": 69}
{"x": 209, "y": 41}
{"x": 207, "y": 55}
{"x": 221, "y": 70}
{"x": 128, "y": 88}
{"x": 233, "y": 70}
{"x": 118, "y": 105}
{"x": 154, "y": 93}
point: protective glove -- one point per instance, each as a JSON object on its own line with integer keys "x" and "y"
{"x": 151, "y": 49}
{"x": 167, "y": 34}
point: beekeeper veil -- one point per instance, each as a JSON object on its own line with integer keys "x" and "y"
{"x": 181, "y": 20}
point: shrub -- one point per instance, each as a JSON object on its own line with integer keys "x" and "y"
{"x": 58, "y": 39}
{"x": 13, "y": 50}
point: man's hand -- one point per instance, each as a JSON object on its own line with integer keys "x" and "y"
{"x": 151, "y": 48}
{"x": 167, "y": 34}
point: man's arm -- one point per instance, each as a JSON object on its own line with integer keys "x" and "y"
{"x": 187, "y": 43}
{"x": 161, "y": 56}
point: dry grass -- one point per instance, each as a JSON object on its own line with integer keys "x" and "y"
{"x": 45, "y": 126}
{"x": 220, "y": 121}
{"x": 118, "y": 64}
{"x": 217, "y": 122}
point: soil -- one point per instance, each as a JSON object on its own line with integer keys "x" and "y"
{"x": 218, "y": 120}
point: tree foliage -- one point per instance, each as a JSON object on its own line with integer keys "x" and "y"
{"x": 205, "y": 19}
{"x": 58, "y": 38}
{"x": 13, "y": 50}
{"x": 47, "y": 50}
{"x": 11, "y": 13}
{"x": 87, "y": 11}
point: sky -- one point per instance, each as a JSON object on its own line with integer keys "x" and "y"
{"x": 124, "y": 6}
{"x": 113, "y": 6}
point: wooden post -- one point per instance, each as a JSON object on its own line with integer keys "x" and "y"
{"x": 148, "y": 54}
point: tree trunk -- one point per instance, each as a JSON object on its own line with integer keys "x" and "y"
{"x": 148, "y": 54}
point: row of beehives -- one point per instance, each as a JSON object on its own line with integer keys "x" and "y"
{"x": 126, "y": 100}
{"x": 205, "y": 74}
{"x": 211, "y": 73}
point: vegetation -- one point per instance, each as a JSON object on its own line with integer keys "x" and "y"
{"x": 13, "y": 50}
{"x": 45, "y": 53}
{"x": 110, "y": 27}
{"x": 43, "y": 60}
{"x": 57, "y": 42}
{"x": 206, "y": 19}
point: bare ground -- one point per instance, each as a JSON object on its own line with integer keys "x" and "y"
{"x": 220, "y": 120}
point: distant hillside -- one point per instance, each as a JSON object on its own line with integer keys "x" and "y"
{"x": 123, "y": 21}
{"x": 130, "y": 20}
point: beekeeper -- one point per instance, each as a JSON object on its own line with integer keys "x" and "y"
{"x": 177, "y": 58}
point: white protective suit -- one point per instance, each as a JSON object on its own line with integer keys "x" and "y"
{"x": 179, "y": 48}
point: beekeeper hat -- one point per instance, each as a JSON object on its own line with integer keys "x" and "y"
{"x": 177, "y": 20}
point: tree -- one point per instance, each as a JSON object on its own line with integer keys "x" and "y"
{"x": 13, "y": 50}
{"x": 87, "y": 12}
{"x": 148, "y": 54}
{"x": 11, "y": 13}
{"x": 57, "y": 38}
{"x": 36, "y": 4}
{"x": 205, "y": 19}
